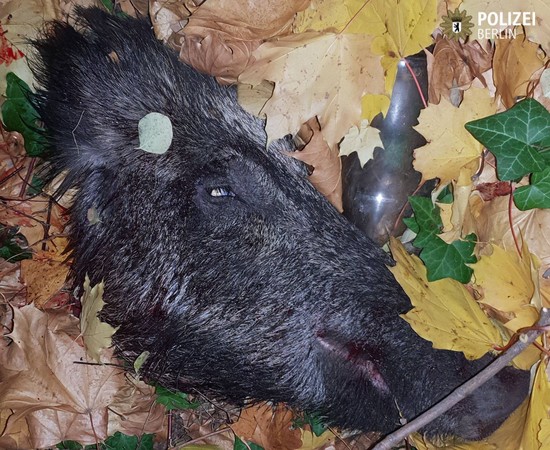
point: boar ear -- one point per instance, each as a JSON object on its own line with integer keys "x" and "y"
{"x": 94, "y": 90}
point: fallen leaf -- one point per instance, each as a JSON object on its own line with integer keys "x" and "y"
{"x": 514, "y": 62}
{"x": 504, "y": 279}
{"x": 408, "y": 30}
{"x": 316, "y": 75}
{"x": 537, "y": 424}
{"x": 444, "y": 311}
{"x": 327, "y": 166}
{"x": 45, "y": 274}
{"x": 450, "y": 146}
{"x": 311, "y": 442}
{"x": 362, "y": 140}
{"x": 269, "y": 427}
{"x": 461, "y": 221}
{"x": 454, "y": 65}
{"x": 493, "y": 225}
{"x": 374, "y": 104}
{"x": 95, "y": 333}
{"x": 48, "y": 382}
{"x": 222, "y": 44}
{"x": 351, "y": 16}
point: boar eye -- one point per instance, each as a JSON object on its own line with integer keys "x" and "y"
{"x": 221, "y": 191}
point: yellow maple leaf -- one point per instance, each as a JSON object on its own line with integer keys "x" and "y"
{"x": 408, "y": 29}
{"x": 506, "y": 283}
{"x": 373, "y": 104}
{"x": 311, "y": 442}
{"x": 362, "y": 140}
{"x": 504, "y": 279}
{"x": 95, "y": 333}
{"x": 316, "y": 74}
{"x": 351, "y": 16}
{"x": 444, "y": 311}
{"x": 535, "y": 433}
{"x": 450, "y": 147}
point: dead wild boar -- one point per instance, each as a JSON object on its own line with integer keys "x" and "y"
{"x": 218, "y": 256}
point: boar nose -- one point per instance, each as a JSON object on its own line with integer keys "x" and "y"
{"x": 361, "y": 359}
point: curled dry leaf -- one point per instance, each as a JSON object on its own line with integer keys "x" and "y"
{"x": 49, "y": 384}
{"x": 222, "y": 44}
{"x": 492, "y": 225}
{"x": 453, "y": 65}
{"x": 514, "y": 62}
{"x": 327, "y": 166}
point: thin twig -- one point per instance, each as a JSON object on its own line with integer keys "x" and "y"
{"x": 467, "y": 388}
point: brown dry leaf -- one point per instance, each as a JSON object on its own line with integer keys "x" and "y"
{"x": 541, "y": 80}
{"x": 454, "y": 65}
{"x": 492, "y": 225}
{"x": 222, "y": 44}
{"x": 326, "y": 163}
{"x": 12, "y": 290}
{"x": 323, "y": 75}
{"x": 45, "y": 386}
{"x": 268, "y": 427}
{"x": 134, "y": 405}
{"x": 45, "y": 274}
{"x": 514, "y": 62}
{"x": 168, "y": 18}
{"x": 450, "y": 147}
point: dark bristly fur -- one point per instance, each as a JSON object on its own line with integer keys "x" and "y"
{"x": 268, "y": 293}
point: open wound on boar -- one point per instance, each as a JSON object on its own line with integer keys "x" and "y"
{"x": 218, "y": 256}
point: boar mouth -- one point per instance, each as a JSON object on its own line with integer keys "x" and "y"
{"x": 362, "y": 357}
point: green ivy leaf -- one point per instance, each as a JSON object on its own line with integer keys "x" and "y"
{"x": 316, "y": 423}
{"x": 70, "y": 445}
{"x": 119, "y": 441}
{"x": 174, "y": 399}
{"x": 427, "y": 218}
{"x": 240, "y": 445}
{"x": 537, "y": 194}
{"x": 446, "y": 195}
{"x": 19, "y": 115}
{"x": 444, "y": 260}
{"x": 13, "y": 245}
{"x": 518, "y": 138}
